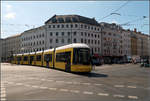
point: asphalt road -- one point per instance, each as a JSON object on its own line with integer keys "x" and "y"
{"x": 125, "y": 82}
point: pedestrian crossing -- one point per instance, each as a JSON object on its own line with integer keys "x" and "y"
{"x": 2, "y": 93}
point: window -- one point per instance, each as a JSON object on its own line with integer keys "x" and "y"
{"x": 89, "y": 41}
{"x": 71, "y": 25}
{"x": 81, "y": 26}
{"x": 81, "y": 56}
{"x": 92, "y": 35}
{"x": 38, "y": 58}
{"x": 95, "y": 42}
{"x": 76, "y": 25}
{"x": 48, "y": 57}
{"x": 62, "y": 33}
{"x": 49, "y": 26}
{"x": 56, "y": 33}
{"x": 85, "y": 41}
{"x": 89, "y": 34}
{"x": 63, "y": 57}
{"x": 58, "y": 26}
{"x": 25, "y": 58}
{"x": 74, "y": 40}
{"x": 95, "y": 35}
{"x": 67, "y": 26}
{"x": 81, "y": 40}
{"x": 53, "y": 26}
{"x": 74, "y": 33}
{"x": 56, "y": 40}
{"x": 81, "y": 33}
{"x": 68, "y": 33}
{"x": 43, "y": 41}
{"x": 69, "y": 40}
{"x": 51, "y": 34}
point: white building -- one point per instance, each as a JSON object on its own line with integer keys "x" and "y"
{"x": 33, "y": 40}
{"x": 66, "y": 29}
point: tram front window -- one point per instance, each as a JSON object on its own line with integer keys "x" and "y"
{"x": 81, "y": 56}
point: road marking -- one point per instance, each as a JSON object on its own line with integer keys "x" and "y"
{"x": 44, "y": 87}
{"x": 3, "y": 99}
{"x": 74, "y": 91}
{"x": 85, "y": 92}
{"x": 119, "y": 86}
{"x": 19, "y": 84}
{"x": 131, "y": 86}
{"x": 43, "y": 79}
{"x": 133, "y": 97}
{"x": 97, "y": 84}
{"x": 117, "y": 95}
{"x": 52, "y": 88}
{"x": 35, "y": 86}
{"x": 103, "y": 94}
{"x": 60, "y": 81}
{"x": 65, "y": 90}
{"x": 3, "y": 95}
{"x": 86, "y": 83}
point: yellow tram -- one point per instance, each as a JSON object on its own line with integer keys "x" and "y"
{"x": 71, "y": 58}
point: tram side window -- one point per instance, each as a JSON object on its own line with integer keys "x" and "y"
{"x": 25, "y": 58}
{"x": 38, "y": 58}
{"x": 62, "y": 57}
{"x": 48, "y": 57}
{"x": 18, "y": 58}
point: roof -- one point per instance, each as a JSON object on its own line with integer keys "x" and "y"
{"x": 72, "y": 18}
{"x": 49, "y": 50}
{"x": 74, "y": 45}
{"x": 16, "y": 35}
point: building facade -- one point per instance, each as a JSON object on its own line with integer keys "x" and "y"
{"x": 10, "y": 46}
{"x": 66, "y": 29}
{"x": 33, "y": 40}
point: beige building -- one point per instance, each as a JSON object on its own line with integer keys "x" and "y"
{"x": 10, "y": 46}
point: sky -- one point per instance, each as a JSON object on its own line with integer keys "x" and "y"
{"x": 18, "y": 16}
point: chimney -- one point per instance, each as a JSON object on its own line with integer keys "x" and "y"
{"x": 134, "y": 29}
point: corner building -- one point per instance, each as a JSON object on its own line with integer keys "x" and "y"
{"x": 66, "y": 29}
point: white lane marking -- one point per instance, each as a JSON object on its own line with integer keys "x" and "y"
{"x": 35, "y": 86}
{"x": 131, "y": 86}
{"x": 118, "y": 85}
{"x": 74, "y": 91}
{"x": 103, "y": 94}
{"x": 52, "y": 88}
{"x": 60, "y": 81}
{"x": 86, "y": 92}
{"x": 69, "y": 82}
{"x": 2, "y": 99}
{"x": 97, "y": 84}
{"x": 43, "y": 79}
{"x": 3, "y": 95}
{"x": 64, "y": 90}
{"x": 133, "y": 97}
{"x": 19, "y": 84}
{"x": 3, "y": 91}
{"x": 44, "y": 87}
{"x": 117, "y": 95}
{"x": 86, "y": 83}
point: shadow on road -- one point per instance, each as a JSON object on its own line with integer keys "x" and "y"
{"x": 92, "y": 74}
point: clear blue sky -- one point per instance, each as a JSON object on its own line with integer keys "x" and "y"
{"x": 18, "y": 16}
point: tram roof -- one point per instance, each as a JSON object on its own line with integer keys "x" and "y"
{"x": 49, "y": 50}
{"x": 74, "y": 45}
